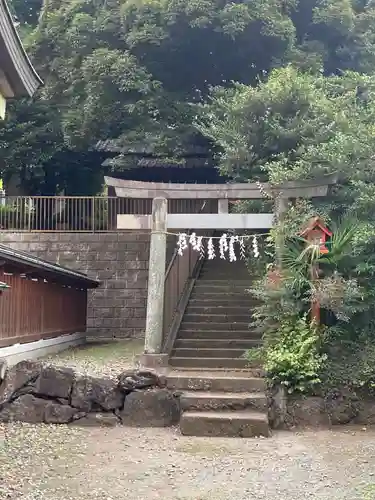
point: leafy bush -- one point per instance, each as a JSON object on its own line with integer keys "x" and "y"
{"x": 5, "y": 209}
{"x": 291, "y": 355}
{"x": 11, "y": 217}
{"x": 274, "y": 304}
{"x": 350, "y": 361}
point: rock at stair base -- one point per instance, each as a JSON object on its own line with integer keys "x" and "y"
{"x": 307, "y": 412}
{"x": 96, "y": 393}
{"x": 153, "y": 408}
{"x": 59, "y": 414}
{"x": 26, "y": 408}
{"x": 141, "y": 379}
{"x": 55, "y": 382}
{"x": 17, "y": 377}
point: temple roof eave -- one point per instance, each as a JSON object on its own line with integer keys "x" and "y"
{"x": 16, "y": 68}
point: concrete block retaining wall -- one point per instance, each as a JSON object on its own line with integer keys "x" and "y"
{"x": 119, "y": 260}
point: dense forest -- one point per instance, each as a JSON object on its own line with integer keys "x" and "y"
{"x": 140, "y": 70}
{"x": 276, "y": 90}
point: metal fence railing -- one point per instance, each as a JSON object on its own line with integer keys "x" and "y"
{"x": 76, "y": 213}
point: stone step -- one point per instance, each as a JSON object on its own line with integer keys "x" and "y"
{"x": 209, "y": 300}
{"x": 222, "y": 309}
{"x": 210, "y": 362}
{"x": 222, "y": 301}
{"x": 244, "y": 423}
{"x": 222, "y": 327}
{"x": 208, "y": 287}
{"x": 217, "y": 296}
{"x": 205, "y": 352}
{"x": 223, "y": 281}
{"x": 218, "y": 343}
{"x": 225, "y": 266}
{"x": 217, "y": 318}
{"x": 223, "y": 381}
{"x": 220, "y": 276}
{"x": 200, "y": 333}
{"x": 205, "y": 401}
{"x": 229, "y": 280}
{"x": 254, "y": 372}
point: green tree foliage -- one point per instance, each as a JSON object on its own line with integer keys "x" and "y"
{"x": 135, "y": 69}
{"x": 26, "y": 14}
{"x": 293, "y": 125}
{"x": 297, "y": 125}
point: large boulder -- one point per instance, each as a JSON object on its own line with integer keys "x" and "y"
{"x": 26, "y": 408}
{"x": 55, "y": 382}
{"x": 91, "y": 393}
{"x": 19, "y": 379}
{"x": 307, "y": 412}
{"x": 366, "y": 411}
{"x": 152, "y": 408}
{"x": 129, "y": 381}
{"x": 56, "y": 413}
{"x": 342, "y": 406}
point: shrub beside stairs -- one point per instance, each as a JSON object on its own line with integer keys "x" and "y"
{"x": 221, "y": 394}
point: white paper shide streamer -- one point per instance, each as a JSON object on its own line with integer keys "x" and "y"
{"x": 255, "y": 247}
{"x": 182, "y": 243}
{"x": 242, "y": 248}
{"x": 223, "y": 245}
{"x": 211, "y": 249}
{"x": 227, "y": 246}
{"x": 232, "y": 252}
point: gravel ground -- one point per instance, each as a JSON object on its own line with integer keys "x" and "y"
{"x": 100, "y": 359}
{"x": 71, "y": 463}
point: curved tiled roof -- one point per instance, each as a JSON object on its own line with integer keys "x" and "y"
{"x": 14, "y": 62}
{"x": 29, "y": 261}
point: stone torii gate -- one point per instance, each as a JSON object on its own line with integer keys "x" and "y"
{"x": 160, "y": 221}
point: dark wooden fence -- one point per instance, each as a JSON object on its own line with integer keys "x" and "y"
{"x": 33, "y": 309}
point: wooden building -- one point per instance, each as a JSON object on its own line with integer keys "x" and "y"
{"x": 43, "y": 306}
{"x": 18, "y": 78}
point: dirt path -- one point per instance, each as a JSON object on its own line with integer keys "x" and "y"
{"x": 50, "y": 463}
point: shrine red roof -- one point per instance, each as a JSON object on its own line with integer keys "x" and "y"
{"x": 316, "y": 223}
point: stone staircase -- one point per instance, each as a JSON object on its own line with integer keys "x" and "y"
{"x": 222, "y": 395}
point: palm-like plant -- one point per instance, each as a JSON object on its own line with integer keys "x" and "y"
{"x": 303, "y": 263}
{"x": 299, "y": 255}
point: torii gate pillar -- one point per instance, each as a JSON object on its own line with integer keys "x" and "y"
{"x": 152, "y": 357}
